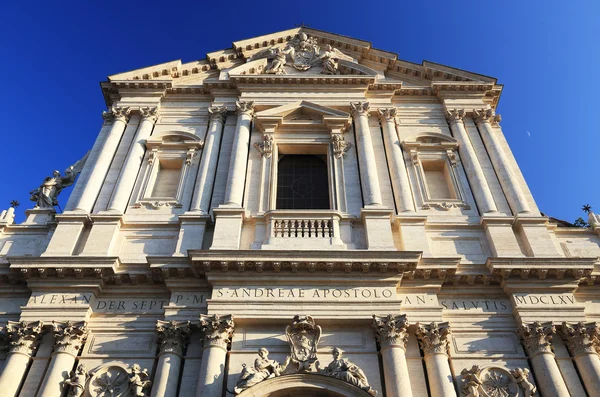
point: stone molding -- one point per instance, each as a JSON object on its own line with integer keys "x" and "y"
{"x": 265, "y": 148}
{"x": 391, "y": 330}
{"x": 172, "y": 336}
{"x": 455, "y": 115}
{"x": 150, "y": 113}
{"x": 536, "y": 337}
{"x": 359, "y": 109}
{"x": 22, "y": 336}
{"x": 69, "y": 336}
{"x": 217, "y": 114}
{"x": 387, "y": 115}
{"x": 581, "y": 338}
{"x": 121, "y": 113}
{"x": 434, "y": 338}
{"x": 486, "y": 116}
{"x": 218, "y": 330}
{"x": 243, "y": 107}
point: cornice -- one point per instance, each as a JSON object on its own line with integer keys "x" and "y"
{"x": 577, "y": 269}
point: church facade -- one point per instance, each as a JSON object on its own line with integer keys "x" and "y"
{"x": 301, "y": 214}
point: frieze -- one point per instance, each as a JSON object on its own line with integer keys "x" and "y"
{"x": 305, "y": 293}
{"x": 59, "y": 299}
{"x": 481, "y": 305}
{"x": 544, "y": 299}
{"x": 129, "y": 305}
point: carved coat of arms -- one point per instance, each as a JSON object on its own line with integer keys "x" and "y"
{"x": 303, "y": 335}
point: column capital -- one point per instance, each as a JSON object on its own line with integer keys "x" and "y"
{"x": 581, "y": 338}
{"x": 172, "y": 336}
{"x": 391, "y": 330}
{"x": 69, "y": 336}
{"x": 486, "y": 116}
{"x": 217, "y": 114}
{"x": 245, "y": 107}
{"x": 265, "y": 148}
{"x": 387, "y": 115}
{"x": 22, "y": 336}
{"x": 149, "y": 113}
{"x": 455, "y": 115}
{"x": 340, "y": 146}
{"x": 536, "y": 337}
{"x": 434, "y": 337}
{"x": 359, "y": 109}
{"x": 218, "y": 330}
{"x": 121, "y": 113}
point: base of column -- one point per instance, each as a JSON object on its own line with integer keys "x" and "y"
{"x": 501, "y": 236}
{"x": 191, "y": 232}
{"x": 101, "y": 235}
{"x": 378, "y": 228}
{"x": 67, "y": 234}
{"x": 412, "y": 230}
{"x": 228, "y": 228}
{"x": 537, "y": 239}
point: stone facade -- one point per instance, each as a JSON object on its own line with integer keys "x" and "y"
{"x": 427, "y": 270}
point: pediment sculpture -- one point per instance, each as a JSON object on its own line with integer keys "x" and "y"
{"x": 302, "y": 53}
{"x": 303, "y": 336}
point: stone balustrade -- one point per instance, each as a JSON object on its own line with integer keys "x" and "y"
{"x": 303, "y": 229}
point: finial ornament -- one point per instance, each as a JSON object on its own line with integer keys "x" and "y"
{"x": 150, "y": 113}
{"x": 359, "y": 109}
{"x": 387, "y": 114}
{"x": 172, "y": 336}
{"x": 340, "y": 146}
{"x": 434, "y": 337}
{"x": 536, "y": 337}
{"x": 217, "y": 113}
{"x": 23, "y": 337}
{"x": 265, "y": 148}
{"x": 121, "y": 113}
{"x": 246, "y": 107}
{"x": 69, "y": 336}
{"x": 455, "y": 115}
{"x": 486, "y": 116}
{"x": 391, "y": 330}
{"x": 218, "y": 330}
{"x": 581, "y": 338}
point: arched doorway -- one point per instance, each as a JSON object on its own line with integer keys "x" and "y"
{"x": 304, "y": 385}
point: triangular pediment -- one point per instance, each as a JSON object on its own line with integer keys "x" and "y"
{"x": 299, "y": 115}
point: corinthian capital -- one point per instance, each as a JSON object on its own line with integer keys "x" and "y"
{"x": 217, "y": 113}
{"x": 391, "y": 330}
{"x": 434, "y": 337}
{"x": 117, "y": 113}
{"x": 359, "y": 109}
{"x": 455, "y": 115}
{"x": 486, "y": 116}
{"x": 217, "y": 329}
{"x": 536, "y": 337}
{"x": 22, "y": 337}
{"x": 69, "y": 336}
{"x": 172, "y": 336}
{"x": 150, "y": 113}
{"x": 243, "y": 107}
{"x": 581, "y": 338}
{"x": 387, "y": 115}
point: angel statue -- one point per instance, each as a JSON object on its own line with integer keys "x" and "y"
{"x": 343, "y": 369}
{"x": 139, "y": 380}
{"x": 76, "y": 381}
{"x": 277, "y": 63}
{"x": 46, "y": 195}
{"x": 264, "y": 368}
{"x": 522, "y": 377}
{"x": 471, "y": 381}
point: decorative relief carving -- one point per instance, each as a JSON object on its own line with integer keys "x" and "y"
{"x": 340, "y": 146}
{"x": 69, "y": 337}
{"x": 343, "y": 369}
{"x": 172, "y": 336}
{"x": 266, "y": 147}
{"x": 488, "y": 382}
{"x": 243, "y": 107}
{"x": 76, "y": 381}
{"x": 150, "y": 113}
{"x": 455, "y": 115}
{"x": 359, "y": 109}
{"x": 263, "y": 369}
{"x": 486, "y": 116}
{"x": 521, "y": 376}
{"x": 391, "y": 330}
{"x": 121, "y": 113}
{"x": 387, "y": 115}
{"x": 22, "y": 337}
{"x": 217, "y": 329}
{"x": 303, "y": 336}
{"x": 581, "y": 338}
{"x": 536, "y": 337}
{"x": 434, "y": 337}
{"x": 217, "y": 114}
{"x": 139, "y": 380}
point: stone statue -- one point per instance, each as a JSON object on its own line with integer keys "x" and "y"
{"x": 139, "y": 380}
{"x": 303, "y": 336}
{"x": 46, "y": 195}
{"x": 522, "y": 377}
{"x": 277, "y": 62}
{"x": 343, "y": 369}
{"x": 76, "y": 381}
{"x": 264, "y": 368}
{"x": 471, "y": 381}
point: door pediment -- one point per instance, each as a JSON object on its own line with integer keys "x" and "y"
{"x": 302, "y": 115}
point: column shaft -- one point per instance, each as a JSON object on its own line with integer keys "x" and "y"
{"x": 13, "y": 373}
{"x": 131, "y": 167}
{"x": 212, "y": 372}
{"x": 60, "y": 364}
{"x": 366, "y": 155}
{"x": 167, "y": 375}
{"x": 439, "y": 375}
{"x": 400, "y": 182}
{"x": 480, "y": 188}
{"x": 234, "y": 192}
{"x": 589, "y": 370}
{"x": 395, "y": 369}
{"x": 548, "y": 376}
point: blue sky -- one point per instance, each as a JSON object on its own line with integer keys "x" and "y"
{"x": 546, "y": 53}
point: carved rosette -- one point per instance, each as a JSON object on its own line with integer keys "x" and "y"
{"x": 455, "y": 115}
{"x": 387, "y": 115}
{"x": 434, "y": 337}
{"x": 359, "y": 109}
{"x": 536, "y": 337}
{"x": 265, "y": 148}
{"x": 581, "y": 338}
{"x": 486, "y": 116}
{"x": 22, "y": 337}
{"x": 217, "y": 114}
{"x": 217, "y": 329}
{"x": 149, "y": 113}
{"x": 244, "y": 108}
{"x": 340, "y": 146}
{"x": 391, "y": 330}
{"x": 172, "y": 336}
{"x": 121, "y": 113}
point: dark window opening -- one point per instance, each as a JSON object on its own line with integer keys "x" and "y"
{"x": 302, "y": 182}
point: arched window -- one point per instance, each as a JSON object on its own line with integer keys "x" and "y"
{"x": 302, "y": 182}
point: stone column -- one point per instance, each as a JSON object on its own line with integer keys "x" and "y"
{"x": 481, "y": 190}
{"x": 366, "y": 155}
{"x": 208, "y": 165}
{"x": 119, "y": 116}
{"x": 23, "y": 339}
{"x": 131, "y": 167}
{"x": 433, "y": 339}
{"x": 514, "y": 194}
{"x": 402, "y": 191}
{"x": 583, "y": 343}
{"x": 69, "y": 338}
{"x": 217, "y": 335}
{"x": 536, "y": 339}
{"x": 239, "y": 155}
{"x": 172, "y": 339}
{"x": 392, "y": 334}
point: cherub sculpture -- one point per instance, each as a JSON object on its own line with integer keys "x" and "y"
{"x": 45, "y": 196}
{"x": 264, "y": 368}
{"x": 76, "y": 381}
{"x": 471, "y": 381}
{"x": 139, "y": 380}
{"x": 522, "y": 377}
{"x": 343, "y": 369}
